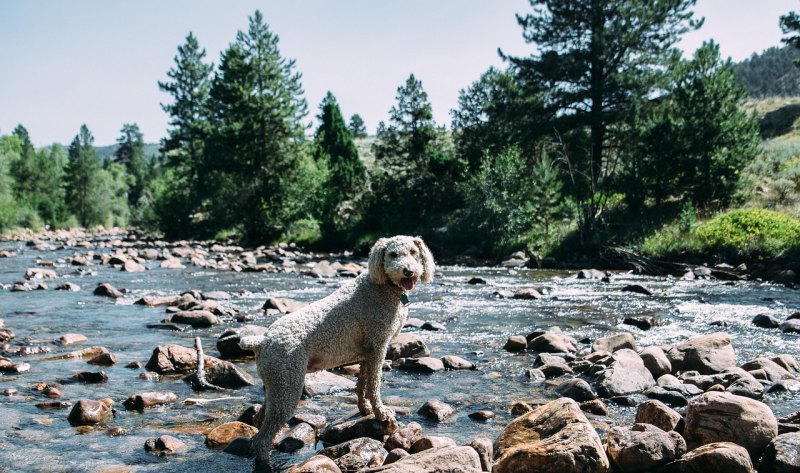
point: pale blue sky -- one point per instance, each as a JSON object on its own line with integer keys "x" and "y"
{"x": 68, "y": 62}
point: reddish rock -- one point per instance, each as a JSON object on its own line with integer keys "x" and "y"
{"x": 164, "y": 445}
{"x": 88, "y": 412}
{"x": 222, "y": 435}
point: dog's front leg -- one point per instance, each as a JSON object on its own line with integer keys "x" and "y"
{"x": 371, "y": 371}
{"x": 364, "y": 406}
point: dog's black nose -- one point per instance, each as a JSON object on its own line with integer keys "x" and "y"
{"x": 408, "y": 273}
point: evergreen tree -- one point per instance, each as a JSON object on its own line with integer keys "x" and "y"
{"x": 130, "y": 155}
{"x": 772, "y": 73}
{"x": 257, "y": 106}
{"x": 82, "y": 179}
{"x": 334, "y": 146}
{"x": 595, "y": 57}
{"x": 178, "y": 197}
{"x": 10, "y": 149}
{"x": 357, "y": 127}
{"x": 790, "y": 24}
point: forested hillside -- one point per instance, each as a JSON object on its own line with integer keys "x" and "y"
{"x": 771, "y": 73}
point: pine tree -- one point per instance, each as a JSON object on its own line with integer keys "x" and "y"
{"x": 82, "y": 179}
{"x": 130, "y": 155}
{"x": 357, "y": 127}
{"x": 257, "y": 105}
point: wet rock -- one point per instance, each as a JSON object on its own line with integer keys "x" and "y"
{"x": 527, "y": 293}
{"x": 221, "y": 435}
{"x": 626, "y": 375}
{"x": 452, "y": 362}
{"x": 250, "y": 415}
{"x": 433, "y": 326}
{"x": 158, "y": 301}
{"x": 671, "y": 398}
{"x": 785, "y": 386}
{"x": 555, "y": 438}
{"x": 297, "y": 437}
{"x": 788, "y": 362}
{"x": 6, "y": 335}
{"x": 10, "y": 391}
{"x": 476, "y": 280}
{"x": 88, "y": 412}
{"x": 172, "y": 359}
{"x": 69, "y": 339}
{"x": 425, "y": 364}
{"x": 637, "y": 289}
{"x": 656, "y": 361}
{"x": 718, "y": 456}
{"x": 53, "y": 405}
{"x": 132, "y": 266}
{"x": 169, "y": 326}
{"x": 51, "y": 391}
{"x": 482, "y": 415}
{"x": 103, "y": 359}
{"x": 707, "y": 354}
{"x": 595, "y": 406}
{"x": 228, "y": 343}
{"x": 164, "y": 445}
{"x": 68, "y": 286}
{"x": 195, "y": 318}
{"x": 515, "y": 343}
{"x": 137, "y": 402}
{"x": 614, "y": 343}
{"x": 407, "y": 345}
{"x": 353, "y": 427}
{"x": 314, "y": 420}
{"x": 747, "y": 387}
{"x": 431, "y": 442}
{"x": 283, "y": 306}
{"x": 116, "y": 432}
{"x": 394, "y": 455}
{"x": 404, "y": 437}
{"x": 782, "y": 454}
{"x": 790, "y": 326}
{"x": 413, "y": 322}
{"x": 38, "y": 274}
{"x": 553, "y": 343}
{"x": 634, "y": 451}
{"x": 440, "y": 460}
{"x": 723, "y": 417}
{"x": 765, "y": 321}
{"x": 357, "y": 454}
{"x": 641, "y": 322}
{"x": 107, "y": 290}
{"x": 535, "y": 375}
{"x": 436, "y": 410}
{"x": 316, "y": 464}
{"x": 92, "y": 376}
{"x": 576, "y": 389}
{"x": 322, "y": 269}
{"x": 325, "y": 382}
{"x": 6, "y": 366}
{"x": 591, "y": 274}
{"x": 171, "y": 263}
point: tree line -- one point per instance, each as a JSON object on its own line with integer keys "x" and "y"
{"x": 606, "y": 124}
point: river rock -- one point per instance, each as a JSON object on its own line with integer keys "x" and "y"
{"x": 637, "y": 289}
{"x": 633, "y": 451}
{"x": 788, "y": 362}
{"x": 724, "y": 417}
{"x": 69, "y": 339}
{"x": 91, "y": 376}
{"x": 316, "y": 464}
{"x": 666, "y": 395}
{"x": 553, "y": 343}
{"x": 297, "y": 437}
{"x": 790, "y": 326}
{"x": 250, "y": 415}
{"x": 515, "y": 343}
{"x": 40, "y": 274}
{"x": 656, "y": 361}
{"x": 171, "y": 263}
{"x": 132, "y": 266}
{"x": 325, "y": 382}
{"x": 88, "y": 412}
{"x": 626, "y": 375}
{"x": 576, "y": 389}
{"x": 747, "y": 387}
{"x": 407, "y": 345}
{"x": 357, "y": 454}
{"x": 283, "y": 306}
{"x": 527, "y": 293}
{"x": 404, "y": 437}
{"x": 353, "y": 427}
{"x": 440, "y": 460}
{"x": 68, "y": 286}
{"x": 765, "y": 321}
{"x": 782, "y": 454}
{"x": 6, "y": 366}
{"x": 657, "y": 413}
{"x": 717, "y": 457}
{"x": 452, "y": 362}
{"x": 555, "y": 438}
{"x": 485, "y": 451}
{"x": 614, "y": 343}
{"x": 164, "y": 445}
{"x": 591, "y": 274}
{"x": 137, "y": 402}
{"x": 707, "y": 354}
{"x": 221, "y": 435}
{"x": 765, "y": 369}
{"x": 642, "y": 322}
{"x": 195, "y": 318}
{"x": 424, "y": 364}
{"x": 322, "y": 269}
{"x": 172, "y": 359}
{"x": 150, "y": 301}
{"x": 103, "y": 359}
{"x": 436, "y": 410}
{"x": 107, "y": 290}
{"x": 228, "y": 343}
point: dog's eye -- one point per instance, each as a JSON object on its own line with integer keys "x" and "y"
{"x": 393, "y": 254}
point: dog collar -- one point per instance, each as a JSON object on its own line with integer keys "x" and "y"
{"x": 404, "y": 299}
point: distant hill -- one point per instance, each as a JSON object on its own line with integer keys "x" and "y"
{"x": 107, "y": 152}
{"x": 772, "y": 73}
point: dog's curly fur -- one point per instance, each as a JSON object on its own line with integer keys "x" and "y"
{"x": 354, "y": 324}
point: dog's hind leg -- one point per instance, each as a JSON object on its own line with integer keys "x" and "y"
{"x": 282, "y": 396}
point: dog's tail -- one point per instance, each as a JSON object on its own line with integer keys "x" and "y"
{"x": 252, "y": 342}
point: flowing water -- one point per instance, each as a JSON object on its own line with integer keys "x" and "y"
{"x": 477, "y": 326}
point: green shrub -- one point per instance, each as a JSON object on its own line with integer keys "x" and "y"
{"x": 754, "y": 231}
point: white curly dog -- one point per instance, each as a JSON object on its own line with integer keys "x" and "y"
{"x": 354, "y": 324}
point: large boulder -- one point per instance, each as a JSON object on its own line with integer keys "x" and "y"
{"x": 438, "y": 460}
{"x": 626, "y": 375}
{"x": 553, "y": 343}
{"x": 707, "y": 354}
{"x": 316, "y": 464}
{"x": 407, "y": 345}
{"x": 726, "y": 417}
{"x": 644, "y": 448}
{"x": 555, "y": 438}
{"x": 355, "y": 455}
{"x": 782, "y": 455}
{"x": 715, "y": 457}
{"x": 657, "y": 413}
{"x": 615, "y": 342}
{"x": 176, "y": 359}
{"x": 656, "y": 361}
{"x": 353, "y": 427}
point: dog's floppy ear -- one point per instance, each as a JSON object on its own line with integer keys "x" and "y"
{"x": 375, "y": 267}
{"x": 428, "y": 266}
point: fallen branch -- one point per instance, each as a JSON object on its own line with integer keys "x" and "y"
{"x": 196, "y": 401}
{"x": 199, "y": 382}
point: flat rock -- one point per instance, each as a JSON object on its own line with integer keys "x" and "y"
{"x": 325, "y": 382}
{"x": 436, "y": 410}
{"x": 441, "y": 460}
{"x": 429, "y": 442}
{"x": 356, "y": 454}
{"x": 221, "y": 435}
{"x": 614, "y": 343}
{"x": 195, "y": 318}
{"x": 69, "y": 339}
{"x": 553, "y": 343}
{"x": 407, "y": 345}
{"x": 637, "y": 289}
{"x": 424, "y": 364}
{"x": 138, "y": 402}
{"x": 164, "y": 445}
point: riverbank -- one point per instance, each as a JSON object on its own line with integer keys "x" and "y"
{"x": 495, "y": 319}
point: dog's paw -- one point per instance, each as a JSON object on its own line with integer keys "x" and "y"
{"x": 385, "y": 414}
{"x": 365, "y": 409}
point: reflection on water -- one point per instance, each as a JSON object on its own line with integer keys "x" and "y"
{"x": 477, "y": 322}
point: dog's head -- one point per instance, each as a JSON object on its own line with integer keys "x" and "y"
{"x": 400, "y": 260}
